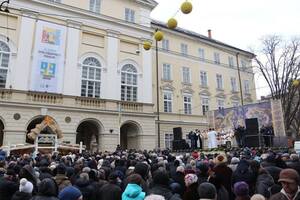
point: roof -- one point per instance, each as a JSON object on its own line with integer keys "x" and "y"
{"x": 199, "y": 36}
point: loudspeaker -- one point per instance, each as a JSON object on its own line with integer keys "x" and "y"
{"x": 252, "y": 140}
{"x": 180, "y": 145}
{"x": 177, "y": 132}
{"x": 252, "y": 126}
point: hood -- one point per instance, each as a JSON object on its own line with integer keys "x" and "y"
{"x": 133, "y": 192}
{"x": 48, "y": 187}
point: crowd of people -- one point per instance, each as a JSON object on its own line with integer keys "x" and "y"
{"x": 237, "y": 174}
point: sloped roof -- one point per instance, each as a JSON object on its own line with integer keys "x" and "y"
{"x": 201, "y": 37}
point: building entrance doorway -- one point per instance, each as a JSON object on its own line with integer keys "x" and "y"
{"x": 88, "y": 133}
{"x": 129, "y": 136}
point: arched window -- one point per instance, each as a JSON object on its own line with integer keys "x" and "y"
{"x": 4, "y": 61}
{"x": 129, "y": 83}
{"x": 91, "y": 78}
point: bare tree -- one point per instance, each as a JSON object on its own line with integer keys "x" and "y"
{"x": 279, "y": 64}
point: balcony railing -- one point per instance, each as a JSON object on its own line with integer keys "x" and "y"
{"x": 45, "y": 98}
{"x": 5, "y": 94}
{"x": 90, "y": 102}
{"x": 131, "y": 106}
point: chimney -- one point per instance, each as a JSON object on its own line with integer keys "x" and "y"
{"x": 209, "y": 33}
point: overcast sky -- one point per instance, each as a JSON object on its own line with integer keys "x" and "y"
{"x": 239, "y": 23}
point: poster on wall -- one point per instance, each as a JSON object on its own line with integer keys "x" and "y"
{"x": 48, "y": 58}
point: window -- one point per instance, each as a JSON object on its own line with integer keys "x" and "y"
{"x": 184, "y": 49}
{"x": 169, "y": 137}
{"x": 129, "y": 83}
{"x": 205, "y": 105}
{"x": 91, "y": 78}
{"x": 95, "y": 6}
{"x": 129, "y": 15}
{"x": 203, "y": 78}
{"x": 187, "y": 104}
{"x": 217, "y": 58}
{"x": 4, "y": 61}
{"x": 243, "y": 64}
{"x": 201, "y": 54}
{"x": 165, "y": 44}
{"x": 233, "y": 84}
{"x": 186, "y": 78}
{"x": 167, "y": 72}
{"x": 230, "y": 61}
{"x": 235, "y": 103}
{"x": 167, "y": 101}
{"x": 246, "y": 87}
{"x": 219, "y": 82}
{"x": 220, "y": 104}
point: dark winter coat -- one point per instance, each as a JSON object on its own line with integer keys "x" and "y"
{"x": 274, "y": 172}
{"x": 7, "y": 188}
{"x": 86, "y": 189}
{"x": 244, "y": 173}
{"x": 223, "y": 171}
{"x": 110, "y": 192}
{"x": 21, "y": 196}
{"x": 191, "y": 192}
{"x": 164, "y": 191}
{"x": 47, "y": 190}
{"x": 263, "y": 183}
{"x": 179, "y": 178}
{"x": 281, "y": 196}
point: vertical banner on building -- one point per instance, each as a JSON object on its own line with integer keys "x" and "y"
{"x": 277, "y": 117}
{"x": 48, "y": 59}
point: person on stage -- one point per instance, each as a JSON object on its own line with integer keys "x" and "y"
{"x": 212, "y": 138}
{"x": 199, "y": 138}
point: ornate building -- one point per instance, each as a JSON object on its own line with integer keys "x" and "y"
{"x": 83, "y": 64}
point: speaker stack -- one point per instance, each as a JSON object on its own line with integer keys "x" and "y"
{"x": 252, "y": 130}
{"x": 178, "y": 142}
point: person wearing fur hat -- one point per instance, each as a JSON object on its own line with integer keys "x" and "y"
{"x": 25, "y": 190}
{"x": 289, "y": 179}
{"x": 70, "y": 193}
{"x": 61, "y": 179}
{"x": 191, "y": 183}
{"x": 241, "y": 191}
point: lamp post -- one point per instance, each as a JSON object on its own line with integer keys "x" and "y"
{"x": 157, "y": 95}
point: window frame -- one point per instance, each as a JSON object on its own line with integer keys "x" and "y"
{"x": 130, "y": 89}
{"x": 205, "y": 105}
{"x": 167, "y": 76}
{"x": 186, "y": 75}
{"x": 95, "y": 8}
{"x": 203, "y": 79}
{"x": 4, "y": 50}
{"x": 184, "y": 49}
{"x": 220, "y": 85}
{"x": 187, "y": 104}
{"x": 129, "y": 15}
{"x": 217, "y": 60}
{"x": 233, "y": 84}
{"x": 165, "y": 44}
{"x": 168, "y": 102}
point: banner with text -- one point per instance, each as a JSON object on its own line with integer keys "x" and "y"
{"x": 48, "y": 59}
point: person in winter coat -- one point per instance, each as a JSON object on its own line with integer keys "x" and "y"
{"x": 133, "y": 190}
{"x": 25, "y": 190}
{"x": 207, "y": 191}
{"x": 47, "y": 190}
{"x": 289, "y": 179}
{"x": 161, "y": 186}
{"x": 83, "y": 184}
{"x": 111, "y": 190}
{"x": 8, "y": 185}
{"x": 61, "y": 179}
{"x": 191, "y": 183}
{"x": 28, "y": 172}
{"x": 241, "y": 191}
{"x": 70, "y": 193}
{"x": 264, "y": 182}
{"x": 179, "y": 178}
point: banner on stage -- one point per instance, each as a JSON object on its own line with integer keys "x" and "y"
{"x": 48, "y": 58}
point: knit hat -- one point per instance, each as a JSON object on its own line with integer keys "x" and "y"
{"x": 142, "y": 169}
{"x": 180, "y": 169}
{"x": 257, "y": 197}
{"x": 154, "y": 197}
{"x": 161, "y": 178}
{"x": 241, "y": 188}
{"x": 189, "y": 179}
{"x": 207, "y": 191}
{"x": 25, "y": 186}
{"x": 220, "y": 159}
{"x": 289, "y": 176}
{"x": 235, "y": 160}
{"x": 69, "y": 193}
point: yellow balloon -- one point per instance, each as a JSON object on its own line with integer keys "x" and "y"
{"x": 147, "y": 45}
{"x": 296, "y": 83}
{"x": 186, "y": 7}
{"x": 158, "y": 35}
{"x": 172, "y": 23}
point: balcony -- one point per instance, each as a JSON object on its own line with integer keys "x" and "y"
{"x": 67, "y": 101}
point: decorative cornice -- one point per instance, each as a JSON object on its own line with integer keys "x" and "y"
{"x": 204, "y": 93}
{"x": 221, "y": 95}
{"x": 167, "y": 86}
